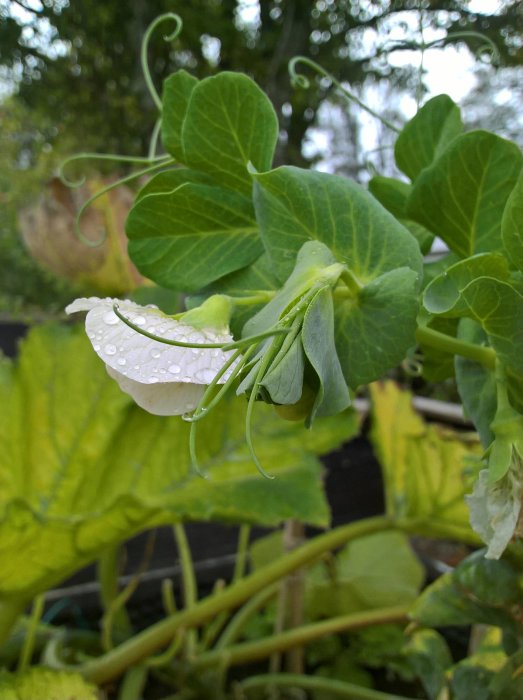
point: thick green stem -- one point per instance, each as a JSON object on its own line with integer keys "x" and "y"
{"x": 352, "y": 282}
{"x": 151, "y": 640}
{"x": 244, "y": 614}
{"x": 340, "y": 689}
{"x": 299, "y": 636}
{"x": 133, "y": 684}
{"x": 10, "y": 610}
{"x": 446, "y": 343}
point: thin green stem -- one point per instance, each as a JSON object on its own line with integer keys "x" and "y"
{"x": 242, "y": 552}
{"x": 244, "y": 614}
{"x": 153, "y": 143}
{"x": 145, "y": 45}
{"x": 189, "y": 586}
{"x": 352, "y": 282}
{"x": 249, "y": 652}
{"x": 261, "y": 297}
{"x": 29, "y": 643}
{"x": 300, "y": 80}
{"x": 108, "y": 571}
{"x": 113, "y": 158}
{"x": 319, "y": 684}
{"x": 133, "y": 683}
{"x": 122, "y": 181}
{"x": 168, "y": 599}
{"x": 151, "y": 640}
{"x": 446, "y": 343}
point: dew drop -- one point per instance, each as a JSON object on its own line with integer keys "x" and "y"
{"x": 92, "y": 336}
{"x": 137, "y": 367}
{"x": 121, "y": 361}
{"x": 155, "y": 353}
{"x": 175, "y": 369}
{"x": 139, "y": 321}
{"x": 205, "y": 375}
{"x": 96, "y": 347}
{"x": 110, "y": 349}
{"x": 110, "y": 318}
{"x": 153, "y": 380}
{"x": 151, "y": 329}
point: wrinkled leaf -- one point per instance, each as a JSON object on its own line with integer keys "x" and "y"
{"x": 81, "y": 467}
{"x": 424, "y": 465}
{"x": 427, "y": 135}
{"x": 43, "y": 683}
{"x": 461, "y": 196}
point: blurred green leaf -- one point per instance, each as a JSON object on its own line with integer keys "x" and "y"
{"x": 429, "y": 657}
{"x": 177, "y": 90}
{"x": 512, "y": 225}
{"x": 39, "y": 683}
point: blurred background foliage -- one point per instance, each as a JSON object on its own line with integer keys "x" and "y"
{"x": 71, "y": 80}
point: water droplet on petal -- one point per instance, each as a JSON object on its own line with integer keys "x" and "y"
{"x": 151, "y": 329}
{"x": 110, "y": 349}
{"x": 121, "y": 361}
{"x": 139, "y": 321}
{"x": 155, "y": 353}
{"x": 110, "y": 318}
{"x": 175, "y": 369}
{"x": 205, "y": 375}
{"x": 96, "y": 347}
{"x": 92, "y": 336}
{"x": 137, "y": 367}
{"x": 153, "y": 380}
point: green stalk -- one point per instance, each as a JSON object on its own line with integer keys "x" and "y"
{"x": 190, "y": 589}
{"x": 133, "y": 683}
{"x": 340, "y": 689}
{"x": 446, "y": 343}
{"x": 30, "y": 639}
{"x": 115, "y": 662}
{"x": 244, "y": 614}
{"x": 240, "y": 563}
{"x": 299, "y": 636}
{"x": 108, "y": 569}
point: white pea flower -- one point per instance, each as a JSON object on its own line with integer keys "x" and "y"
{"x": 163, "y": 379}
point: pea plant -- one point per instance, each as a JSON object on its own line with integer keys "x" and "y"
{"x": 303, "y": 289}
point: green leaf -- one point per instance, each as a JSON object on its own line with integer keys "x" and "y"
{"x": 443, "y": 294}
{"x": 393, "y": 194}
{"x": 476, "y": 385}
{"x": 512, "y": 225}
{"x": 371, "y": 572}
{"x": 429, "y": 657}
{"x": 177, "y": 90}
{"x": 294, "y": 206}
{"x": 192, "y": 234}
{"x": 284, "y": 382}
{"x": 46, "y": 683}
{"x": 424, "y": 465}
{"x": 374, "y": 332}
{"x": 427, "y": 135}
{"x": 461, "y": 196}
{"x": 82, "y": 468}
{"x": 318, "y": 343}
{"x": 498, "y": 308}
{"x": 229, "y": 124}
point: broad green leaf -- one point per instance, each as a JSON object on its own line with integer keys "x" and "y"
{"x": 443, "y": 294}
{"x": 374, "y": 332}
{"x": 476, "y": 385}
{"x": 177, "y": 90}
{"x": 461, "y": 196}
{"x": 495, "y": 583}
{"x": 512, "y": 225}
{"x": 230, "y": 123}
{"x": 394, "y": 194}
{"x": 193, "y": 234}
{"x": 429, "y": 657}
{"x": 374, "y": 571}
{"x": 498, "y": 308}
{"x": 427, "y": 135}
{"x": 82, "y": 468}
{"x": 40, "y": 683}
{"x": 424, "y": 465}
{"x": 318, "y": 344}
{"x": 294, "y": 206}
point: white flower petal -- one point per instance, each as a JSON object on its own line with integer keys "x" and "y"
{"x": 172, "y": 399}
{"x": 163, "y": 379}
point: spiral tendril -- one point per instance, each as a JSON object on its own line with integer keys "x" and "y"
{"x": 300, "y": 80}
{"x": 113, "y": 158}
{"x": 168, "y": 16}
